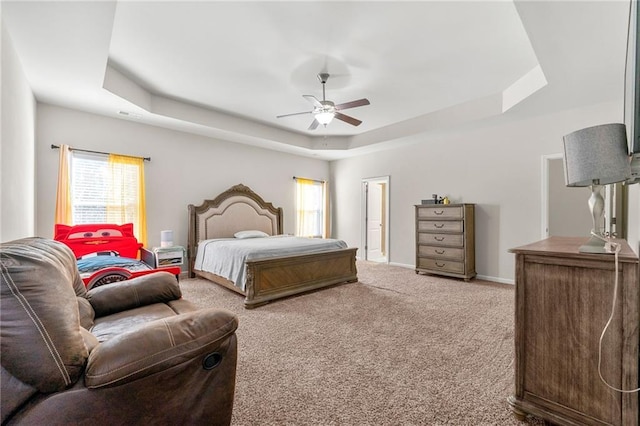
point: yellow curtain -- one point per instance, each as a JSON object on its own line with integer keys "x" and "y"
{"x": 63, "y": 213}
{"x": 126, "y": 202}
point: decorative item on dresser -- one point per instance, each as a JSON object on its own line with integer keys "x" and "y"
{"x": 595, "y": 157}
{"x": 445, "y": 240}
{"x": 564, "y": 299}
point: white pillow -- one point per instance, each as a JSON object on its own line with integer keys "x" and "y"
{"x": 250, "y": 234}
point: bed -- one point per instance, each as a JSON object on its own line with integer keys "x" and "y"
{"x": 105, "y": 253}
{"x": 264, "y": 277}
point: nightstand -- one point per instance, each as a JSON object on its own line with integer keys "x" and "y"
{"x": 164, "y": 257}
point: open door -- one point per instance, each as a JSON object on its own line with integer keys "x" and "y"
{"x": 375, "y": 223}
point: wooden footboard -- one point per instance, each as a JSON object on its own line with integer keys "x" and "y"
{"x": 278, "y": 277}
{"x": 274, "y": 278}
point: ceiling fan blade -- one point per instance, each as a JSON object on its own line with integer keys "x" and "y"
{"x": 313, "y": 100}
{"x": 352, "y": 104}
{"x": 295, "y": 113}
{"x": 347, "y": 119}
{"x": 314, "y": 124}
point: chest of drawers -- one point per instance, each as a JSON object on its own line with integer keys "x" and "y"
{"x": 445, "y": 240}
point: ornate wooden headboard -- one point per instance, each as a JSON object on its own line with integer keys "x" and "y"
{"x": 236, "y": 209}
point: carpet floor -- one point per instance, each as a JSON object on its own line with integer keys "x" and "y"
{"x": 394, "y": 348}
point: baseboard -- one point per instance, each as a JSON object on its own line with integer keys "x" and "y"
{"x": 402, "y": 265}
{"x": 496, "y": 279}
{"x": 480, "y": 277}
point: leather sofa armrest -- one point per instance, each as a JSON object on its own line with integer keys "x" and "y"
{"x": 160, "y": 345}
{"x": 158, "y": 287}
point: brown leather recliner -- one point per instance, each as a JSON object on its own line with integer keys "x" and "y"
{"x": 133, "y": 352}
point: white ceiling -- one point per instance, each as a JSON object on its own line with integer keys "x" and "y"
{"x": 226, "y": 69}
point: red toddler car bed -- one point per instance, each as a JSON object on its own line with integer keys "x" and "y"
{"x": 106, "y": 253}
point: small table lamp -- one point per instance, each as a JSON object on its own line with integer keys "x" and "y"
{"x": 594, "y": 157}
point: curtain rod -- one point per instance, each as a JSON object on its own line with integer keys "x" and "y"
{"x": 99, "y": 152}
{"x": 313, "y": 180}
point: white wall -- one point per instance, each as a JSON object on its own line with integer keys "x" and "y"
{"x": 498, "y": 168}
{"x": 184, "y": 168}
{"x": 17, "y": 149}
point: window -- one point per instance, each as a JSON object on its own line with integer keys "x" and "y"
{"x": 89, "y": 188}
{"x": 310, "y": 208}
{"x": 102, "y": 189}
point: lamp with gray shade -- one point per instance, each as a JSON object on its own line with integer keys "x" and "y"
{"x": 594, "y": 157}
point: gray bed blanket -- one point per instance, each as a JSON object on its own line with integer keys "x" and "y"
{"x": 227, "y": 257}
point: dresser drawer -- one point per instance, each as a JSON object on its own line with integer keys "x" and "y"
{"x": 440, "y": 212}
{"x": 455, "y": 240}
{"x": 440, "y": 226}
{"x": 441, "y": 265}
{"x": 441, "y": 252}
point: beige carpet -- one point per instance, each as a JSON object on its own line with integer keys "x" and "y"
{"x": 395, "y": 348}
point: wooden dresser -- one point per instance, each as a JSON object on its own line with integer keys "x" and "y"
{"x": 445, "y": 240}
{"x": 563, "y": 301}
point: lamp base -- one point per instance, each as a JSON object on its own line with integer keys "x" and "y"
{"x": 594, "y": 245}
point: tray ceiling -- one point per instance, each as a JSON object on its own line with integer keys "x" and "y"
{"x": 226, "y": 69}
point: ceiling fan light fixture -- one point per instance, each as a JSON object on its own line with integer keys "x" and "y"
{"x": 324, "y": 117}
{"x": 324, "y": 111}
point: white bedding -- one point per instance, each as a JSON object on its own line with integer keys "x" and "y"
{"x": 227, "y": 257}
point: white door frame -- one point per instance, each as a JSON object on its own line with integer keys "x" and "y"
{"x": 544, "y": 202}
{"x": 363, "y": 215}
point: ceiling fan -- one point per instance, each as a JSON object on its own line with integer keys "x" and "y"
{"x": 324, "y": 111}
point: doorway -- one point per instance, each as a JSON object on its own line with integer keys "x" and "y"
{"x": 565, "y": 211}
{"x": 375, "y": 209}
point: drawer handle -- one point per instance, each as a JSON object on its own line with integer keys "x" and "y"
{"x": 440, "y": 251}
{"x": 438, "y": 238}
{"x": 439, "y": 265}
{"x": 439, "y": 225}
{"x": 438, "y": 212}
